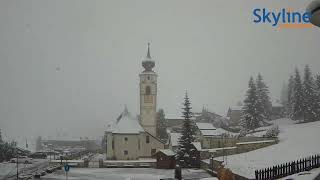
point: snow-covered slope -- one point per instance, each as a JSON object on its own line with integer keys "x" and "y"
{"x": 296, "y": 141}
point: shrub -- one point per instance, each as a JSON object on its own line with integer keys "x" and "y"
{"x": 272, "y": 132}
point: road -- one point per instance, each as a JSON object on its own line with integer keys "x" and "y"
{"x": 9, "y": 169}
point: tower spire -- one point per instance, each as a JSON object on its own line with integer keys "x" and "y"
{"x": 148, "y": 63}
{"x": 148, "y": 54}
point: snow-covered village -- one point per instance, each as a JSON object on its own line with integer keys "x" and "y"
{"x": 159, "y": 90}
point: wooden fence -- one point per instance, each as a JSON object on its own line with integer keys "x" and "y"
{"x": 286, "y": 169}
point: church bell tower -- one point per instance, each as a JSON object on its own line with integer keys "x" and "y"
{"x": 148, "y": 95}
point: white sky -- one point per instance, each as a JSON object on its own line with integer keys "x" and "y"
{"x": 71, "y": 66}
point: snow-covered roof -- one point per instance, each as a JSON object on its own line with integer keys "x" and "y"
{"x": 205, "y": 126}
{"x": 197, "y": 145}
{"x": 167, "y": 152}
{"x": 127, "y": 124}
{"x": 207, "y": 129}
{"x": 174, "y": 138}
{"x": 216, "y": 132}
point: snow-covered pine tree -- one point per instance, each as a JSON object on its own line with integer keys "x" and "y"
{"x": 251, "y": 116}
{"x": 297, "y": 98}
{"x": 309, "y": 100}
{"x": 161, "y": 125}
{"x": 288, "y": 106}
{"x": 264, "y": 104}
{"x": 184, "y": 153}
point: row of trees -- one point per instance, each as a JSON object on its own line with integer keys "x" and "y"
{"x": 257, "y": 105}
{"x": 302, "y": 97}
{"x": 7, "y": 149}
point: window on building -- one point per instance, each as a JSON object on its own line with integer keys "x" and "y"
{"x": 153, "y": 151}
{"x": 125, "y": 152}
{"x": 147, "y": 139}
{"x": 139, "y": 143}
{"x": 112, "y": 144}
{"x": 148, "y": 77}
{"x": 126, "y": 139}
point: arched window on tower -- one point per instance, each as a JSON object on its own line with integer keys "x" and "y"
{"x": 148, "y": 97}
{"x": 148, "y": 90}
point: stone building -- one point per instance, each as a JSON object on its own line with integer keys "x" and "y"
{"x": 132, "y": 137}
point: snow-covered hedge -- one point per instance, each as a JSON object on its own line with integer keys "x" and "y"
{"x": 272, "y": 132}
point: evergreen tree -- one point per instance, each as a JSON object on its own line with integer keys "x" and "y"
{"x": 310, "y": 98}
{"x": 288, "y": 106}
{"x": 161, "y": 125}
{"x": 284, "y": 95}
{"x": 185, "y": 150}
{"x": 251, "y": 116}
{"x": 264, "y": 105}
{"x": 1, "y": 141}
{"x": 297, "y": 98}
{"x": 317, "y": 84}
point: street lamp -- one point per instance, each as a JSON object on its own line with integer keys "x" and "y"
{"x": 314, "y": 9}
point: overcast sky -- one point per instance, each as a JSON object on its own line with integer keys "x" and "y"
{"x": 71, "y": 66}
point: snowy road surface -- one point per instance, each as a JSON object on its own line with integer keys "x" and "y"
{"x": 9, "y": 170}
{"x": 296, "y": 141}
{"x": 123, "y": 174}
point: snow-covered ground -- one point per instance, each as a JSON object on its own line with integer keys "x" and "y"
{"x": 123, "y": 174}
{"x": 7, "y": 168}
{"x": 296, "y": 141}
{"x": 304, "y": 175}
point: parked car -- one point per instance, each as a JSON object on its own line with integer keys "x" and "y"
{"x": 22, "y": 159}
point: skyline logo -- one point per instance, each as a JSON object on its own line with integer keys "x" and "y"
{"x": 285, "y": 18}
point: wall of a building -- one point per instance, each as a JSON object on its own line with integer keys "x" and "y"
{"x": 136, "y": 146}
{"x": 148, "y": 101}
{"x": 147, "y": 147}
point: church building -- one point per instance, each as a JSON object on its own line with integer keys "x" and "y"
{"x": 131, "y": 137}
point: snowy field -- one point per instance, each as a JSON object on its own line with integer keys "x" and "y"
{"x": 296, "y": 141}
{"x": 124, "y": 174}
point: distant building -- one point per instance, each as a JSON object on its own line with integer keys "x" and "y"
{"x": 234, "y": 114}
{"x": 210, "y": 136}
{"x": 277, "y": 110}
